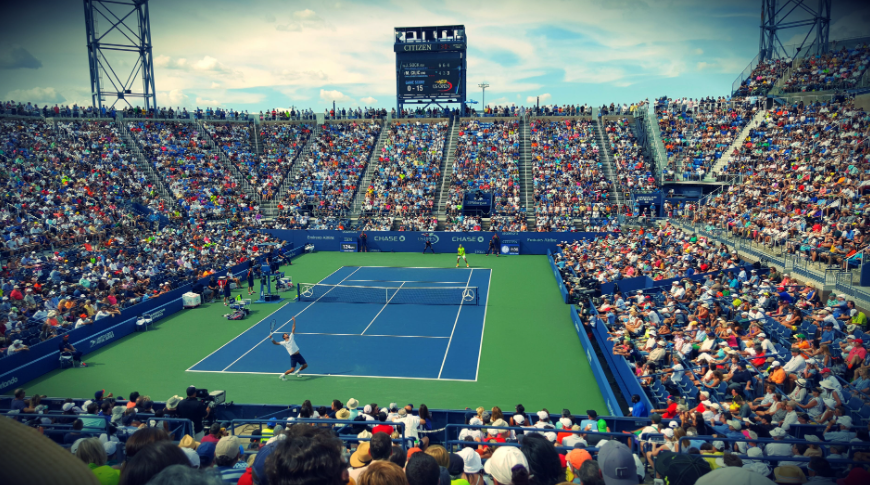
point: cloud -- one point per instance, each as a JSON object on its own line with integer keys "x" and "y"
{"x": 215, "y": 85}
{"x": 368, "y": 100}
{"x": 269, "y": 18}
{"x": 698, "y": 52}
{"x": 177, "y": 97}
{"x": 36, "y": 95}
{"x": 534, "y": 99}
{"x": 17, "y": 57}
{"x": 336, "y": 96}
{"x": 207, "y": 64}
{"x": 207, "y": 102}
{"x": 317, "y": 76}
{"x": 302, "y": 20}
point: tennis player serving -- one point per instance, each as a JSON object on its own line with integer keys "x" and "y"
{"x": 296, "y": 358}
{"x": 460, "y": 253}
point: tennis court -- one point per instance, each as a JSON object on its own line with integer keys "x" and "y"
{"x": 368, "y": 321}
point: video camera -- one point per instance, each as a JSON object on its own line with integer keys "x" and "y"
{"x": 213, "y": 398}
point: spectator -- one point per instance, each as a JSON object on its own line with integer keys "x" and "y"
{"x": 151, "y": 460}
{"x": 306, "y": 458}
{"x": 93, "y": 454}
{"x": 507, "y": 466}
{"x": 383, "y": 473}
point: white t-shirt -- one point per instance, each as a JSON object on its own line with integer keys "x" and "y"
{"x": 411, "y": 423}
{"x": 290, "y": 344}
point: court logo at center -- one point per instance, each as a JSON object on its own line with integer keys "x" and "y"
{"x": 468, "y": 294}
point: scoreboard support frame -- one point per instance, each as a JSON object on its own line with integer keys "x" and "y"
{"x": 424, "y": 46}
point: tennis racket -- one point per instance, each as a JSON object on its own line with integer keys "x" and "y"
{"x": 272, "y": 326}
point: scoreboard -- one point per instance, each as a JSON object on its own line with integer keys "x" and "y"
{"x": 430, "y": 78}
{"x": 431, "y": 65}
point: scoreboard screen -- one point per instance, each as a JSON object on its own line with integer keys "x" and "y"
{"x": 439, "y": 77}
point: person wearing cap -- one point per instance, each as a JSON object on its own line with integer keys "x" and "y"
{"x": 778, "y": 448}
{"x": 472, "y": 466}
{"x": 617, "y": 463}
{"x": 506, "y": 462}
{"x": 840, "y": 430}
{"x": 794, "y": 367}
{"x": 227, "y": 459}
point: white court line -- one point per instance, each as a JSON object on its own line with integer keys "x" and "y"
{"x": 383, "y": 308}
{"x": 454, "y": 325}
{"x": 370, "y": 335}
{"x": 333, "y": 375}
{"x": 412, "y": 281}
{"x": 482, "y": 330}
{"x": 252, "y": 326}
{"x": 291, "y": 319}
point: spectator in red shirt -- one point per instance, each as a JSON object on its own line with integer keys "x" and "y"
{"x": 382, "y": 428}
{"x": 16, "y": 294}
{"x": 671, "y": 411}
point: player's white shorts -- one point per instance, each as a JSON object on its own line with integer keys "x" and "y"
{"x": 463, "y": 257}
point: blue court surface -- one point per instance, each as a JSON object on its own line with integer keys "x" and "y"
{"x": 389, "y": 340}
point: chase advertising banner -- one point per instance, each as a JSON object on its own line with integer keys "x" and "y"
{"x": 443, "y": 242}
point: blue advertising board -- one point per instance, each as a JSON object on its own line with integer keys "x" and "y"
{"x": 443, "y": 242}
{"x": 558, "y": 276}
{"x": 597, "y": 370}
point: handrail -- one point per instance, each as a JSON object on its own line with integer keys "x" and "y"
{"x": 294, "y": 420}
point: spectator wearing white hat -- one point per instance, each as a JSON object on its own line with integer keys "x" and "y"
{"x": 508, "y": 466}
{"x": 777, "y": 448}
{"x": 839, "y": 431}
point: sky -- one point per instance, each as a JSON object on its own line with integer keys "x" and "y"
{"x": 263, "y": 54}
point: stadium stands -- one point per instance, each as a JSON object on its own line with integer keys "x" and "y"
{"x": 568, "y": 177}
{"x": 408, "y": 170}
{"x": 324, "y": 184}
{"x": 282, "y": 144}
{"x": 487, "y": 159}
{"x": 635, "y": 172}
{"x": 696, "y": 135}
{"x": 202, "y": 185}
{"x": 840, "y": 69}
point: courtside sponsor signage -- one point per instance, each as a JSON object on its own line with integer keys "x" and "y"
{"x": 390, "y": 238}
{"x": 10, "y": 382}
{"x": 157, "y": 314}
{"x": 468, "y": 238}
{"x": 544, "y": 240}
{"x": 103, "y": 338}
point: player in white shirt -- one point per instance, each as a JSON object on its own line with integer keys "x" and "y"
{"x": 296, "y": 358}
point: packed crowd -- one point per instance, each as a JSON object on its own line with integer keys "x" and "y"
{"x": 405, "y": 180}
{"x": 463, "y": 223}
{"x": 743, "y": 354}
{"x": 515, "y": 223}
{"x": 418, "y": 223}
{"x": 634, "y": 171}
{"x": 202, "y": 185}
{"x": 47, "y": 294}
{"x": 819, "y": 214}
{"x": 841, "y": 69}
{"x": 763, "y": 77}
{"x": 324, "y": 182}
{"x": 569, "y": 180}
{"x": 697, "y": 137}
{"x": 487, "y": 159}
{"x": 658, "y": 255}
{"x": 136, "y": 441}
{"x": 282, "y": 144}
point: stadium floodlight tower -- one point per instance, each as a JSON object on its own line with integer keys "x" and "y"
{"x": 117, "y": 30}
{"x": 793, "y": 16}
{"x": 431, "y": 65}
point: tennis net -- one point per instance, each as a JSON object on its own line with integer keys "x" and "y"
{"x": 443, "y": 295}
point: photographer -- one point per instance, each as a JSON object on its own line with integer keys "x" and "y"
{"x": 194, "y": 410}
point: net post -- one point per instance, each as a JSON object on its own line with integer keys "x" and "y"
{"x": 298, "y": 292}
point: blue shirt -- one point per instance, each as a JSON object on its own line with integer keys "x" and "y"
{"x": 639, "y": 410}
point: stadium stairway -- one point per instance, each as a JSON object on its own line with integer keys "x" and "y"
{"x": 145, "y": 165}
{"x": 738, "y": 142}
{"x": 615, "y": 195}
{"x": 237, "y": 174}
{"x": 271, "y": 208}
{"x": 258, "y": 145}
{"x": 527, "y": 195}
{"x": 366, "y": 178}
{"x": 447, "y": 171}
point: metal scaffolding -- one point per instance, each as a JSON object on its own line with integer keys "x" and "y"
{"x": 127, "y": 30}
{"x": 794, "y": 17}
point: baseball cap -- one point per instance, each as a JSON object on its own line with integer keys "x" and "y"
{"x": 617, "y": 464}
{"x": 471, "y": 459}
{"x": 259, "y": 465}
{"x": 576, "y": 457}
{"x": 681, "y": 469}
{"x": 507, "y": 457}
{"x": 228, "y": 446}
{"x": 206, "y": 453}
{"x": 789, "y": 474}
